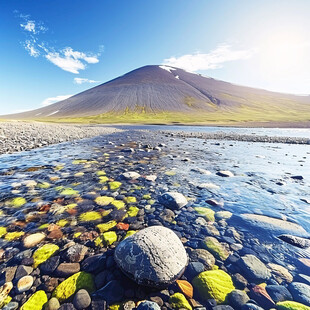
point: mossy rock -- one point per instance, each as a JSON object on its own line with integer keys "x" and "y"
{"x": 44, "y": 253}
{"x": 132, "y": 211}
{"x": 44, "y": 185}
{"x": 103, "y": 200}
{"x": 178, "y": 301}
{"x": 43, "y": 226}
{"x": 216, "y": 248}
{"x": 109, "y": 237}
{"x": 79, "y": 174}
{"x": 18, "y": 202}
{"x": 216, "y": 284}
{"x": 62, "y": 223}
{"x": 223, "y": 215}
{"x": 67, "y": 288}
{"x": 114, "y": 185}
{"x": 129, "y": 233}
{"x": 207, "y": 213}
{"x": 106, "y": 226}
{"x": 291, "y": 305}
{"x": 100, "y": 173}
{"x": 35, "y": 302}
{"x": 11, "y": 236}
{"x": 103, "y": 179}
{"x": 130, "y": 199}
{"x": 90, "y": 216}
{"x": 118, "y": 204}
{"x": 69, "y": 192}
{"x": 3, "y": 231}
{"x": 146, "y": 197}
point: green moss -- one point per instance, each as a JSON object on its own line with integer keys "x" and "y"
{"x": 79, "y": 161}
{"x": 106, "y": 226}
{"x": 103, "y": 200}
{"x": 132, "y": 211}
{"x": 3, "y": 231}
{"x": 5, "y": 301}
{"x": 35, "y": 302}
{"x": 69, "y": 192}
{"x": 129, "y": 233}
{"x": 103, "y": 179}
{"x": 44, "y": 253}
{"x": 170, "y": 173}
{"x": 43, "y": 185}
{"x": 216, "y": 248}
{"x": 178, "y": 301}
{"x": 216, "y": 284}
{"x": 77, "y": 234}
{"x": 146, "y": 197}
{"x": 18, "y": 202}
{"x": 118, "y": 204}
{"x": 90, "y": 216}
{"x": 130, "y": 199}
{"x": 62, "y": 223}
{"x": 13, "y": 235}
{"x": 100, "y": 173}
{"x": 114, "y": 185}
{"x": 43, "y": 226}
{"x": 109, "y": 237}
{"x": 291, "y": 305}
{"x": 207, "y": 213}
{"x": 67, "y": 288}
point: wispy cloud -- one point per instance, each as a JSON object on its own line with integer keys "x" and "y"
{"x": 66, "y": 58}
{"x": 83, "y": 80}
{"x": 51, "y": 100}
{"x": 212, "y": 60}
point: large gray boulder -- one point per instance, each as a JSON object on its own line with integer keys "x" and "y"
{"x": 154, "y": 256}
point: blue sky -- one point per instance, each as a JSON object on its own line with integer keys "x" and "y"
{"x": 52, "y": 49}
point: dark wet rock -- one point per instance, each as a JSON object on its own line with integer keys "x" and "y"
{"x": 22, "y": 271}
{"x": 297, "y": 177}
{"x": 50, "y": 265}
{"x": 223, "y": 307}
{"x": 67, "y": 306}
{"x": 239, "y": 281}
{"x": 215, "y": 203}
{"x": 81, "y": 300}
{"x": 13, "y": 305}
{"x": 250, "y": 306}
{"x": 225, "y": 173}
{"x": 303, "y": 278}
{"x": 148, "y": 305}
{"x": 94, "y": 263}
{"x": 260, "y": 295}
{"x": 237, "y": 298}
{"x": 153, "y": 256}
{"x": 65, "y": 270}
{"x": 49, "y": 284}
{"x": 8, "y": 275}
{"x": 112, "y": 292}
{"x": 193, "y": 269}
{"x": 203, "y": 256}
{"x": 173, "y": 200}
{"x": 278, "y": 293}
{"x": 98, "y": 305}
{"x": 253, "y": 268}
{"x": 296, "y": 241}
{"x": 300, "y": 292}
{"x": 76, "y": 253}
{"x": 158, "y": 300}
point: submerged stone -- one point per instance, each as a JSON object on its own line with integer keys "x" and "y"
{"x": 35, "y": 302}
{"x": 43, "y": 253}
{"x": 154, "y": 256}
{"x": 173, "y": 200}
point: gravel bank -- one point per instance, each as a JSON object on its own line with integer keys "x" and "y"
{"x": 23, "y": 136}
{"x": 237, "y": 137}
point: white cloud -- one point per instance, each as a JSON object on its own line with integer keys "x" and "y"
{"x": 31, "y": 49}
{"x": 29, "y": 26}
{"x": 82, "y": 80}
{"x": 51, "y": 100}
{"x": 70, "y": 60}
{"x": 213, "y": 60}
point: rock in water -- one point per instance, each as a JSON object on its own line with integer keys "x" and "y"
{"x": 153, "y": 256}
{"x": 173, "y": 200}
{"x": 296, "y": 241}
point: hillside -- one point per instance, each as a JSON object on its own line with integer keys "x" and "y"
{"x": 154, "y": 94}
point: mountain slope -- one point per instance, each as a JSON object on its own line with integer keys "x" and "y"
{"x": 161, "y": 90}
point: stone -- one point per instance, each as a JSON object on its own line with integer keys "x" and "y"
{"x": 278, "y": 293}
{"x": 207, "y": 213}
{"x": 223, "y": 307}
{"x": 67, "y": 306}
{"x": 300, "y": 292}
{"x": 12, "y": 305}
{"x": 43, "y": 253}
{"x": 33, "y": 240}
{"x": 239, "y": 281}
{"x": 154, "y": 256}
{"x": 216, "y": 248}
{"x": 225, "y": 173}
{"x": 93, "y": 263}
{"x": 253, "y": 268}
{"x": 203, "y": 256}
{"x": 50, "y": 265}
{"x": 22, "y": 271}
{"x": 303, "y": 278}
{"x": 65, "y": 270}
{"x": 53, "y": 304}
{"x": 238, "y": 298}
{"x": 68, "y": 287}
{"x": 260, "y": 295}
{"x": 251, "y": 306}
{"x": 81, "y": 300}
{"x": 178, "y": 301}
{"x": 280, "y": 273}
{"x": 49, "y": 284}
{"x": 4, "y": 293}
{"x": 215, "y": 203}
{"x": 112, "y": 292}
{"x": 186, "y": 288}
{"x": 24, "y": 284}
{"x": 193, "y": 269}
{"x": 148, "y": 305}
{"x": 35, "y": 302}
{"x": 291, "y": 305}
{"x": 129, "y": 305}
{"x": 173, "y": 200}
{"x": 216, "y": 284}
{"x": 76, "y": 253}
{"x": 299, "y": 242}
{"x": 131, "y": 175}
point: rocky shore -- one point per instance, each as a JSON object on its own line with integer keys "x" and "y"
{"x": 138, "y": 220}
{"x": 24, "y": 136}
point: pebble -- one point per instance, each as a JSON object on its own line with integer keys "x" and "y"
{"x": 33, "y": 239}
{"x": 24, "y": 284}
{"x": 81, "y": 300}
{"x": 300, "y": 292}
{"x": 148, "y": 305}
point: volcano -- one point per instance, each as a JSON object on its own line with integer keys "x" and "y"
{"x": 159, "y": 91}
